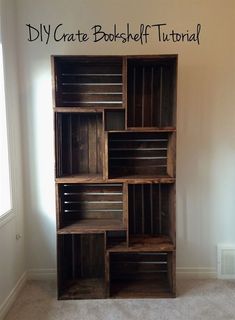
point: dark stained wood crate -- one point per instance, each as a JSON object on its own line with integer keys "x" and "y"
{"x": 82, "y": 82}
{"x": 79, "y": 144}
{"x": 141, "y": 275}
{"x": 151, "y": 92}
{"x": 140, "y": 154}
{"x": 90, "y": 208}
{"x": 81, "y": 266}
{"x": 151, "y": 213}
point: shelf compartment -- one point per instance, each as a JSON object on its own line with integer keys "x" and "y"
{"x": 151, "y": 92}
{"x": 79, "y": 138}
{"x": 81, "y": 266}
{"x": 114, "y": 120}
{"x": 151, "y": 215}
{"x": 138, "y": 154}
{"x": 142, "y": 274}
{"x": 116, "y": 239}
{"x": 93, "y": 82}
{"x": 144, "y": 244}
{"x": 90, "y": 207}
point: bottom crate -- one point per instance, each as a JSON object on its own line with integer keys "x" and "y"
{"x": 81, "y": 266}
{"x": 142, "y": 274}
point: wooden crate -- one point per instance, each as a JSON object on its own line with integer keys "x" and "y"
{"x": 79, "y": 149}
{"x": 151, "y": 92}
{"x": 81, "y": 266}
{"x": 88, "y": 82}
{"x": 141, "y": 274}
{"x": 151, "y": 212}
{"x": 141, "y": 154}
{"x": 90, "y": 208}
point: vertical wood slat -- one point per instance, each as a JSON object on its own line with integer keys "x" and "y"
{"x": 151, "y": 207}
{"x": 171, "y": 155}
{"x": 125, "y": 205}
{"x": 160, "y": 209}
{"x": 70, "y": 137}
{"x": 142, "y": 209}
{"x": 143, "y": 97}
{"x": 151, "y": 98}
{"x": 171, "y": 263}
{"x": 124, "y": 86}
{"x": 92, "y": 145}
{"x": 134, "y": 95}
{"x": 172, "y": 214}
{"x": 134, "y": 207}
{"x": 160, "y": 98}
{"x": 151, "y": 95}
{"x": 107, "y": 274}
{"x": 105, "y": 158}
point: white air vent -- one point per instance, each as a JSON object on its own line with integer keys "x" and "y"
{"x": 226, "y": 261}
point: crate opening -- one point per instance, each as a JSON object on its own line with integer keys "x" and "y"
{"x": 79, "y": 144}
{"x": 151, "y": 93}
{"x": 94, "y": 206}
{"x": 142, "y": 274}
{"x": 81, "y": 265}
{"x": 137, "y": 154}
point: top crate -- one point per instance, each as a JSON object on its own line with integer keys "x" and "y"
{"x": 143, "y": 87}
{"x": 151, "y": 94}
{"x": 83, "y": 82}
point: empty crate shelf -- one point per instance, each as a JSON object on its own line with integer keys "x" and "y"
{"x": 151, "y": 92}
{"x": 90, "y": 207}
{"x": 94, "y": 82}
{"x": 79, "y": 145}
{"x": 114, "y": 120}
{"x": 81, "y": 266}
{"x": 142, "y": 274}
{"x": 136, "y": 154}
{"x": 151, "y": 214}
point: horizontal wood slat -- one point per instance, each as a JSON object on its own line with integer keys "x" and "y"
{"x": 82, "y": 83}
{"x": 136, "y": 153}
{"x": 90, "y": 202}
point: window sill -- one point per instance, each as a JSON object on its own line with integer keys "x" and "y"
{"x": 6, "y": 217}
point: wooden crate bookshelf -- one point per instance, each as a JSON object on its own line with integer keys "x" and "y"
{"x": 115, "y": 138}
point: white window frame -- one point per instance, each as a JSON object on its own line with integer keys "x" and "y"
{"x": 9, "y": 214}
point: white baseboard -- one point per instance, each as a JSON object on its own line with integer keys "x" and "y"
{"x": 10, "y": 299}
{"x": 41, "y": 274}
{"x": 196, "y": 273}
{"x": 181, "y": 272}
{"x": 49, "y": 274}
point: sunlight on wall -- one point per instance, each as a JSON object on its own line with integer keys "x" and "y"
{"x": 5, "y": 189}
{"x": 43, "y": 148}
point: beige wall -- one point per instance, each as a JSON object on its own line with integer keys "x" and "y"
{"x": 12, "y": 254}
{"x": 206, "y": 113}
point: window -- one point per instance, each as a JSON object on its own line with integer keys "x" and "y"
{"x": 5, "y": 188}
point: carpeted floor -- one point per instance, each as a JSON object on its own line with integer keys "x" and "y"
{"x": 197, "y": 299}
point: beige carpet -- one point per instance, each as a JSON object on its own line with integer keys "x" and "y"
{"x": 197, "y": 299}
